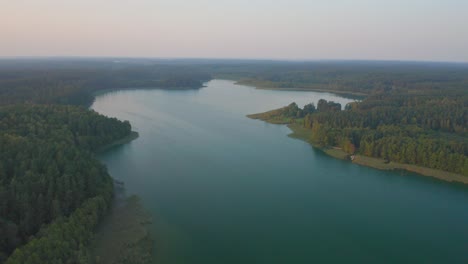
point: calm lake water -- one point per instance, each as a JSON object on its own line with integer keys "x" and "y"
{"x": 223, "y": 188}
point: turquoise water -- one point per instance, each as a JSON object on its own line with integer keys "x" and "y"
{"x": 226, "y": 189}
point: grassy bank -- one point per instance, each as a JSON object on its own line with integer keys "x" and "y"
{"x": 299, "y": 132}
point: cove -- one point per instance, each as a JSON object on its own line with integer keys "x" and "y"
{"x": 223, "y": 188}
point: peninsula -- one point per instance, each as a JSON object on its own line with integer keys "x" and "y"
{"x": 371, "y": 137}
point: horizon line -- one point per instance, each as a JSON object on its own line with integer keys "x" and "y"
{"x": 84, "y": 57}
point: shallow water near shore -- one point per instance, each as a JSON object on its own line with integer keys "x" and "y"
{"x": 223, "y": 188}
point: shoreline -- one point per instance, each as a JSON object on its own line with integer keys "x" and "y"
{"x": 110, "y": 90}
{"x": 132, "y": 136}
{"x": 124, "y": 233}
{"x": 97, "y": 93}
{"x": 341, "y": 93}
{"x": 301, "y": 133}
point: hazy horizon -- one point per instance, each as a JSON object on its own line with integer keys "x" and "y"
{"x": 294, "y": 30}
{"x": 214, "y": 59}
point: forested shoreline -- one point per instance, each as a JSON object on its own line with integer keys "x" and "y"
{"x": 49, "y": 175}
{"x": 53, "y": 191}
{"x": 427, "y": 131}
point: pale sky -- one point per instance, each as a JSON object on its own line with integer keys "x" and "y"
{"x": 429, "y": 30}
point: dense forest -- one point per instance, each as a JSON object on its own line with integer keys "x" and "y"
{"x": 348, "y": 77}
{"x": 53, "y": 191}
{"x": 48, "y": 174}
{"x": 74, "y": 82}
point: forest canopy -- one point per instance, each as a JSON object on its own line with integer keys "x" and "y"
{"x": 74, "y": 82}
{"x": 48, "y": 172}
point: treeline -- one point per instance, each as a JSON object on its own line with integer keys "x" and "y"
{"x": 293, "y": 110}
{"x": 52, "y": 189}
{"x": 62, "y": 82}
{"x": 74, "y": 81}
{"x": 72, "y": 125}
{"x": 353, "y": 77}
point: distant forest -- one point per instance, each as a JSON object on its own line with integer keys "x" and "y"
{"x": 74, "y": 82}
{"x": 53, "y": 191}
{"x": 360, "y": 78}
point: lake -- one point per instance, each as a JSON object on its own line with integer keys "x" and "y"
{"x": 223, "y": 188}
